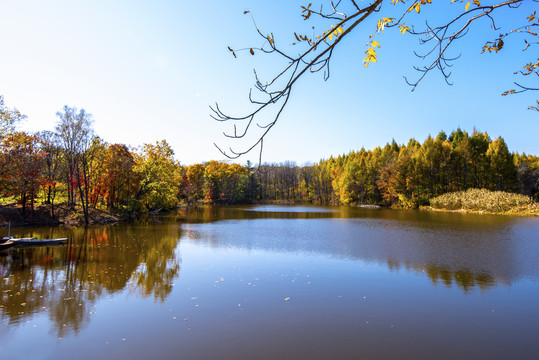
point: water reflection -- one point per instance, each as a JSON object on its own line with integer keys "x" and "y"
{"x": 463, "y": 250}
{"x": 202, "y": 214}
{"x": 422, "y": 219}
{"x": 464, "y": 278}
{"x": 66, "y": 281}
{"x": 443, "y": 275}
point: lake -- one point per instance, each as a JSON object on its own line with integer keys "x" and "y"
{"x": 277, "y": 282}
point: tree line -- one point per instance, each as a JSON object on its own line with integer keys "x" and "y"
{"x": 404, "y": 175}
{"x": 394, "y": 175}
{"x": 409, "y": 175}
{"x": 75, "y": 166}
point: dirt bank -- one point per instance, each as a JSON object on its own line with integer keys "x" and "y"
{"x": 63, "y": 215}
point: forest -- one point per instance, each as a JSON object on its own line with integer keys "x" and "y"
{"x": 74, "y": 166}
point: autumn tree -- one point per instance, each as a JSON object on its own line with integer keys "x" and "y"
{"x": 9, "y": 118}
{"x": 502, "y": 167}
{"x": 25, "y": 163}
{"x": 195, "y": 182}
{"x": 49, "y": 143}
{"x": 323, "y": 182}
{"x": 225, "y": 183}
{"x": 157, "y": 171}
{"x": 120, "y": 181}
{"x": 480, "y": 143}
{"x": 437, "y": 36}
{"x": 388, "y": 179}
{"x": 307, "y": 180}
{"x": 98, "y": 172}
{"x": 352, "y": 188}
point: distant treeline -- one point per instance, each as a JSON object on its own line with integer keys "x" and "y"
{"x": 409, "y": 175}
{"x": 74, "y": 165}
{"x": 404, "y": 175}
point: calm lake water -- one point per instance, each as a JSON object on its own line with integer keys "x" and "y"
{"x": 277, "y": 282}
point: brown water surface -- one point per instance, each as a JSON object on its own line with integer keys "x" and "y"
{"x": 277, "y": 282}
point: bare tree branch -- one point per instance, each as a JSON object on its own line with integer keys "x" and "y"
{"x": 309, "y": 60}
{"x": 275, "y": 93}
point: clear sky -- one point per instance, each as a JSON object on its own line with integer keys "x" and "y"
{"x": 148, "y": 70}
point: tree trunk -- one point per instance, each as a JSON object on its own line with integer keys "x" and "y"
{"x": 83, "y": 192}
{"x": 23, "y": 201}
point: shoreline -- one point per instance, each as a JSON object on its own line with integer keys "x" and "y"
{"x": 63, "y": 216}
{"x": 482, "y": 212}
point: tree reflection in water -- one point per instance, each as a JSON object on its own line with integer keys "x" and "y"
{"x": 66, "y": 281}
{"x": 465, "y": 279}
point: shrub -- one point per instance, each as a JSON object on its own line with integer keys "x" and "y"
{"x": 485, "y": 200}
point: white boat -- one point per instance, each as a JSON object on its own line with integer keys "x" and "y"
{"x": 8, "y": 241}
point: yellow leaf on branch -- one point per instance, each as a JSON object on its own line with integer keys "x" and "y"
{"x": 416, "y": 7}
{"x": 383, "y": 22}
{"x": 403, "y": 29}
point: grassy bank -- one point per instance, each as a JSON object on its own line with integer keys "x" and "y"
{"x": 486, "y": 201}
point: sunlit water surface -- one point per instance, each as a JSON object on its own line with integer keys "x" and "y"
{"x": 277, "y": 282}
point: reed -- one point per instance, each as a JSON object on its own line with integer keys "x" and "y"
{"x": 483, "y": 200}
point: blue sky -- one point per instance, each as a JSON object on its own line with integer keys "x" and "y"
{"x": 149, "y": 71}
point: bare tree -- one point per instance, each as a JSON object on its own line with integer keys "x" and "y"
{"x": 76, "y": 134}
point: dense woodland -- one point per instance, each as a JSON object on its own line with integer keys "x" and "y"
{"x": 405, "y": 175}
{"x": 73, "y": 165}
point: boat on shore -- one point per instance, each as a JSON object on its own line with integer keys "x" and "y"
{"x": 36, "y": 241}
{"x": 7, "y": 242}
